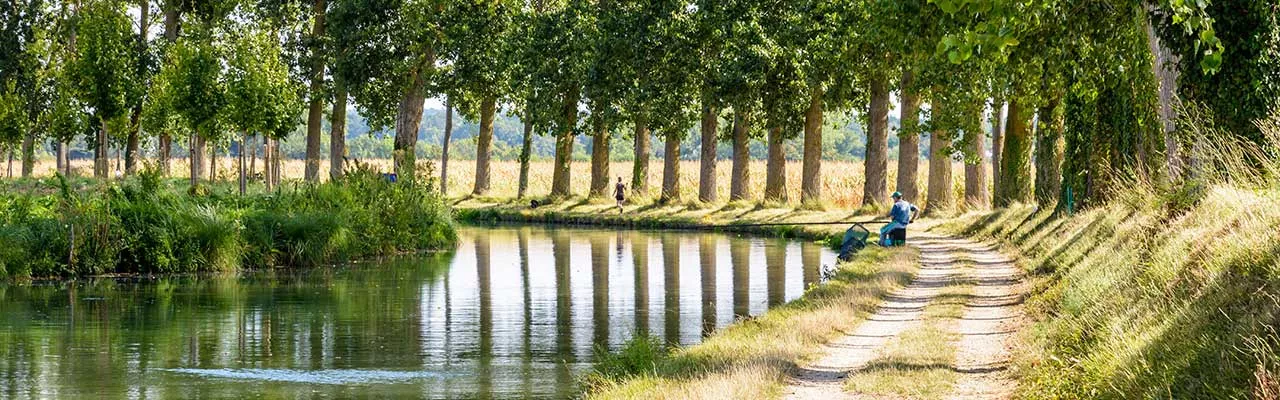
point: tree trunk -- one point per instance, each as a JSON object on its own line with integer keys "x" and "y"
{"x": 483, "y": 142}
{"x": 877, "y": 161}
{"x": 276, "y": 161}
{"x": 560, "y": 176}
{"x": 997, "y": 142}
{"x": 253, "y": 156}
{"x": 9, "y": 172}
{"x": 811, "y": 177}
{"x": 213, "y": 162}
{"x": 739, "y": 177}
{"x": 316, "y": 108}
{"x": 526, "y": 150}
{"x": 976, "y": 196}
{"x": 408, "y": 117}
{"x": 1015, "y": 159}
{"x": 100, "y": 156}
{"x": 131, "y": 146}
{"x": 671, "y": 167}
{"x": 244, "y": 182}
{"x": 338, "y": 134}
{"x": 1165, "y": 68}
{"x": 444, "y": 153}
{"x": 640, "y": 166}
{"x": 28, "y": 154}
{"x": 195, "y": 153}
{"x": 940, "y": 195}
{"x": 909, "y": 141}
{"x": 63, "y": 160}
{"x": 267, "y": 156}
{"x": 165, "y": 148}
{"x": 775, "y": 179}
{"x": 599, "y": 160}
{"x": 1049, "y": 152}
{"x": 707, "y": 161}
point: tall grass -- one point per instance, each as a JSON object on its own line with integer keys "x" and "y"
{"x": 145, "y": 225}
{"x": 842, "y": 181}
{"x": 1164, "y": 292}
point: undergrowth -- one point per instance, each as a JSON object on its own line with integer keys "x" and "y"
{"x": 145, "y": 225}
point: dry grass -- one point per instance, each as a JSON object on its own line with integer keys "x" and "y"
{"x": 842, "y": 181}
{"x": 749, "y": 359}
{"x": 918, "y": 363}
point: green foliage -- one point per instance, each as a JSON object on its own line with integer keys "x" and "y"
{"x": 146, "y": 226}
{"x": 104, "y": 64}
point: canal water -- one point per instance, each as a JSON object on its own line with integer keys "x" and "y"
{"x": 511, "y": 313}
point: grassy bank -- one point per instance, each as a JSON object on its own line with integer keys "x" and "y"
{"x": 149, "y": 225}
{"x": 1171, "y": 294}
{"x": 749, "y": 359}
{"x": 733, "y": 217}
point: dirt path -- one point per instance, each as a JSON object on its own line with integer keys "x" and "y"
{"x": 991, "y": 315}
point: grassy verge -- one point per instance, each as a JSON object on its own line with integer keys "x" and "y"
{"x": 732, "y": 217}
{"x": 147, "y": 225}
{"x": 750, "y": 358}
{"x": 918, "y": 363}
{"x": 1154, "y": 295}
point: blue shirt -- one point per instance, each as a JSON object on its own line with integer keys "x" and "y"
{"x": 901, "y": 212}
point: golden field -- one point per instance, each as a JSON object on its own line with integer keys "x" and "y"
{"x": 841, "y": 180}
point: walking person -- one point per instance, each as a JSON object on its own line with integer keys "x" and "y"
{"x": 900, "y": 215}
{"x": 619, "y": 191}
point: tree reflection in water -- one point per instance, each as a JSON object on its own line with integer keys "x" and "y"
{"x": 494, "y": 319}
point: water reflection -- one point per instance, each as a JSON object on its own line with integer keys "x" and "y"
{"x": 514, "y": 312}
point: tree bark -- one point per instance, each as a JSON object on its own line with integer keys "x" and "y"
{"x": 997, "y": 142}
{"x": 28, "y": 154}
{"x": 408, "y": 118}
{"x": 316, "y": 108}
{"x": 444, "y": 153}
{"x": 909, "y": 141}
{"x": 526, "y": 150}
{"x": 1015, "y": 159}
{"x": 195, "y": 153}
{"x": 244, "y": 181}
{"x": 671, "y": 168}
{"x": 267, "y": 156}
{"x": 939, "y": 192}
{"x": 100, "y": 156}
{"x": 483, "y": 143}
{"x": 213, "y": 162}
{"x": 1049, "y": 152}
{"x": 171, "y": 26}
{"x": 338, "y": 133}
{"x": 740, "y": 178}
{"x": 976, "y": 196}
{"x": 560, "y": 176}
{"x": 599, "y": 160}
{"x": 640, "y": 166}
{"x": 775, "y": 179}
{"x": 1165, "y": 68}
{"x": 9, "y": 172}
{"x": 707, "y": 161}
{"x": 63, "y": 160}
{"x": 811, "y": 176}
{"x": 877, "y": 161}
{"x": 131, "y": 146}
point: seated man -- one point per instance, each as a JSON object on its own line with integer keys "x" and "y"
{"x": 900, "y": 215}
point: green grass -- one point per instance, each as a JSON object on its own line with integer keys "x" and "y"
{"x": 147, "y": 224}
{"x": 750, "y": 358}
{"x": 1147, "y": 297}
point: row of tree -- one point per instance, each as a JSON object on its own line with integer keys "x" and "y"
{"x": 1086, "y": 84}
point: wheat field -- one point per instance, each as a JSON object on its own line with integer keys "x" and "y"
{"x": 842, "y": 181}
